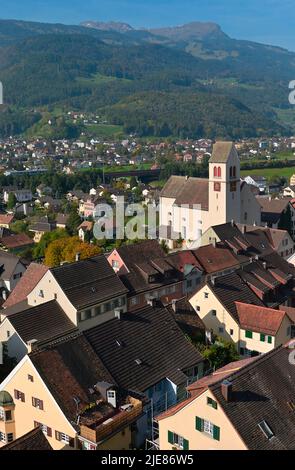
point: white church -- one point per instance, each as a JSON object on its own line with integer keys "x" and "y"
{"x": 190, "y": 206}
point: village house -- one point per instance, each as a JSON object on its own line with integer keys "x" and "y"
{"x": 66, "y": 390}
{"x": 239, "y": 407}
{"x": 6, "y": 220}
{"x": 89, "y": 291}
{"x": 41, "y": 227}
{"x": 11, "y": 270}
{"x": 242, "y": 307}
{"x": 84, "y": 229}
{"x": 134, "y": 348}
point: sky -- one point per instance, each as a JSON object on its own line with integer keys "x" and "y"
{"x": 266, "y": 21}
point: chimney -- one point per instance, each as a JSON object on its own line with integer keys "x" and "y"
{"x": 152, "y": 301}
{"x": 118, "y": 312}
{"x": 174, "y": 306}
{"x": 232, "y": 223}
{"x": 214, "y": 242}
{"x": 226, "y": 390}
{"x": 257, "y": 257}
{"x": 78, "y": 256}
{"x": 244, "y": 229}
{"x": 32, "y": 345}
{"x": 264, "y": 265}
{"x": 112, "y": 398}
{"x": 213, "y": 280}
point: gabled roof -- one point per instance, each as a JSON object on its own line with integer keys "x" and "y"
{"x": 260, "y": 319}
{"x": 195, "y": 191}
{"x": 26, "y": 284}
{"x": 263, "y": 391}
{"x": 173, "y": 186}
{"x": 42, "y": 322}
{"x": 70, "y": 368}
{"x": 221, "y": 152}
{"x": 231, "y": 287}
{"x": 88, "y": 282}
{"x": 6, "y": 218}
{"x": 16, "y": 240}
{"x": 143, "y": 348}
{"x": 215, "y": 258}
{"x": 33, "y": 440}
{"x": 8, "y": 263}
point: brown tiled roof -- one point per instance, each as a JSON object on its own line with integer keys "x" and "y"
{"x": 89, "y": 282}
{"x": 263, "y": 391}
{"x": 16, "y": 240}
{"x": 180, "y": 259}
{"x": 62, "y": 219}
{"x": 139, "y": 259}
{"x": 259, "y": 319}
{"x": 26, "y": 284}
{"x": 195, "y": 191}
{"x": 151, "y": 335}
{"x": 186, "y": 317}
{"x": 6, "y": 218}
{"x": 43, "y": 322}
{"x": 70, "y": 369}
{"x": 214, "y": 259}
{"x": 221, "y": 152}
{"x": 33, "y": 440}
{"x": 273, "y": 206}
{"x": 173, "y": 186}
{"x": 290, "y": 311}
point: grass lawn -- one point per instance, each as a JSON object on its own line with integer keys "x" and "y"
{"x": 270, "y": 172}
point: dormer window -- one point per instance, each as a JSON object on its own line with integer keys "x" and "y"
{"x": 152, "y": 279}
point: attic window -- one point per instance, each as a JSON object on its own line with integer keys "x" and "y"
{"x": 138, "y": 361}
{"x": 93, "y": 289}
{"x": 266, "y": 430}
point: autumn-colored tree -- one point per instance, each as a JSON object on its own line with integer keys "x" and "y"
{"x": 66, "y": 249}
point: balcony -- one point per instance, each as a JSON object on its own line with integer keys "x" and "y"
{"x": 111, "y": 425}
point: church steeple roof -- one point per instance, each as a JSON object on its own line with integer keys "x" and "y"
{"x": 221, "y": 152}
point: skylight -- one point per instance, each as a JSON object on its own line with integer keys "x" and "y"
{"x": 266, "y": 430}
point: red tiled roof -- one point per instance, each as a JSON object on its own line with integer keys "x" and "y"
{"x": 6, "y": 218}
{"x": 260, "y": 319}
{"x": 24, "y": 287}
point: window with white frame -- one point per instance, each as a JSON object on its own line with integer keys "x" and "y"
{"x": 2, "y": 437}
{"x": 208, "y": 428}
{"x": 2, "y": 414}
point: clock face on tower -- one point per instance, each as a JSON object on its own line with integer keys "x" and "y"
{"x": 217, "y": 187}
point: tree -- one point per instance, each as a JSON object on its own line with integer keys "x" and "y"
{"x": 74, "y": 221}
{"x": 285, "y": 222}
{"x": 47, "y": 238}
{"x": 66, "y": 249}
{"x": 11, "y": 201}
{"x": 221, "y": 353}
{"x": 20, "y": 226}
{"x": 133, "y": 182}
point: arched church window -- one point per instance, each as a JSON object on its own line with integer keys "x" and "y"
{"x": 219, "y": 172}
{"x": 215, "y": 172}
{"x": 231, "y": 172}
{"x": 234, "y": 172}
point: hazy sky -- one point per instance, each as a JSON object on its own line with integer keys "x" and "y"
{"x": 268, "y": 21}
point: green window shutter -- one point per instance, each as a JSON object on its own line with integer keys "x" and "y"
{"x": 269, "y": 339}
{"x": 249, "y": 334}
{"x": 199, "y": 424}
{"x": 214, "y": 404}
{"x": 170, "y": 437}
{"x": 185, "y": 444}
{"x": 216, "y": 433}
{"x": 262, "y": 337}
